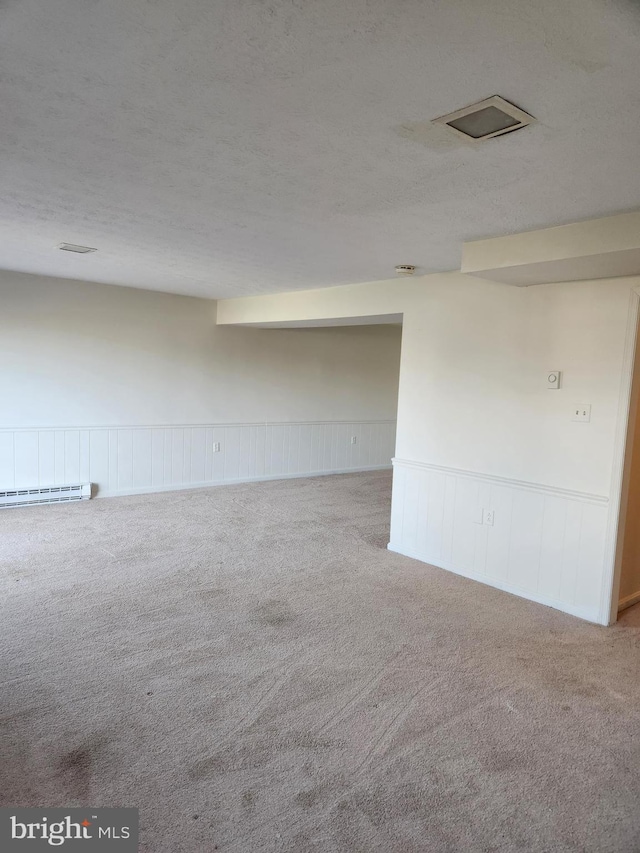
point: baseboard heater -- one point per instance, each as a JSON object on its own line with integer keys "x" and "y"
{"x": 45, "y": 495}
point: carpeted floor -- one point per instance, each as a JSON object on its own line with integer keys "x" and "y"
{"x": 251, "y": 668}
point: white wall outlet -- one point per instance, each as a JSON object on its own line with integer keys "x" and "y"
{"x": 354, "y": 439}
{"x": 553, "y": 379}
{"x": 216, "y": 447}
{"x": 582, "y": 413}
{"x": 489, "y": 516}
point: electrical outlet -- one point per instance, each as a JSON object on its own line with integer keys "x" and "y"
{"x": 582, "y": 413}
{"x": 216, "y": 447}
{"x": 354, "y": 439}
{"x": 489, "y": 516}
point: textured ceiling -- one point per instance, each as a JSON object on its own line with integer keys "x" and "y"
{"x": 248, "y": 146}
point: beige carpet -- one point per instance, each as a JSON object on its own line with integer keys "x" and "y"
{"x": 251, "y": 668}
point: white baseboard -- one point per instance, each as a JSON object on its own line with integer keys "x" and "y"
{"x": 148, "y": 490}
{"x": 588, "y": 614}
{"x": 628, "y": 601}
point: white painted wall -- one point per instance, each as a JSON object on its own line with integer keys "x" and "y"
{"x": 473, "y": 389}
{"x": 475, "y": 355}
{"x": 91, "y": 377}
{"x": 478, "y": 428}
{"x": 84, "y": 354}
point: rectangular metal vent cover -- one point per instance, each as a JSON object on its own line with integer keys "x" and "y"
{"x": 73, "y": 247}
{"x": 45, "y": 495}
{"x": 486, "y": 119}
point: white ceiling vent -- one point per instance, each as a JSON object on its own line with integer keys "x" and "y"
{"x": 486, "y": 119}
{"x": 79, "y": 250}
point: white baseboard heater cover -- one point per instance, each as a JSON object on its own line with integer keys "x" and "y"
{"x": 45, "y": 495}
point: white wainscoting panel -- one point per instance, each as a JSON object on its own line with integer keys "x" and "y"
{"x": 545, "y": 544}
{"x": 132, "y": 460}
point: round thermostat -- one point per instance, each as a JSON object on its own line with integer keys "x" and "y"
{"x": 553, "y": 379}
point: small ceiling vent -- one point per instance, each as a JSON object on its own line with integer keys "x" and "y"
{"x": 79, "y": 250}
{"x": 486, "y": 119}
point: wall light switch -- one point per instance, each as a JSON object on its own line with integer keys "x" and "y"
{"x": 489, "y": 516}
{"x": 354, "y": 439}
{"x": 216, "y": 447}
{"x": 582, "y": 413}
{"x": 553, "y": 378}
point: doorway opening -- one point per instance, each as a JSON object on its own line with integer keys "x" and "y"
{"x": 626, "y": 587}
